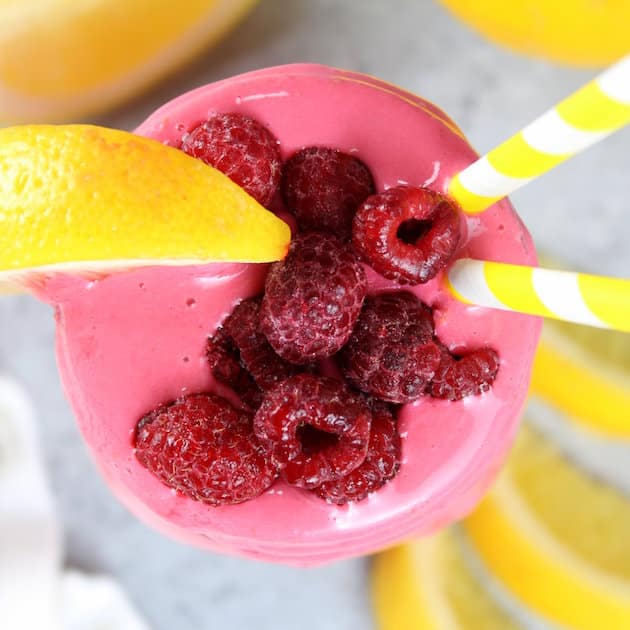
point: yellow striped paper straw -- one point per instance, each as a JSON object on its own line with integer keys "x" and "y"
{"x": 565, "y": 295}
{"x": 590, "y": 114}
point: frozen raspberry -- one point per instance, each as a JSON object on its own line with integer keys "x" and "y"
{"x": 391, "y": 354}
{"x": 312, "y": 298}
{"x": 407, "y": 234}
{"x": 381, "y": 463}
{"x": 459, "y": 376}
{"x": 324, "y": 187}
{"x": 226, "y": 367}
{"x": 204, "y": 448}
{"x": 256, "y": 355}
{"x": 241, "y": 148}
{"x": 316, "y": 429}
{"x": 241, "y": 358}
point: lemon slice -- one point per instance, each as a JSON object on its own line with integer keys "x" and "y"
{"x": 427, "y": 585}
{"x": 60, "y": 59}
{"x": 556, "y": 539}
{"x": 585, "y": 372}
{"x": 82, "y": 198}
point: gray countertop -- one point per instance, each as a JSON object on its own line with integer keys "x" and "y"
{"x": 579, "y": 213}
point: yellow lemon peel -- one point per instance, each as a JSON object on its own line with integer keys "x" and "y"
{"x": 85, "y": 198}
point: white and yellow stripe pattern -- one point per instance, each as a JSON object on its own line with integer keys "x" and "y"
{"x": 576, "y": 297}
{"x": 590, "y": 114}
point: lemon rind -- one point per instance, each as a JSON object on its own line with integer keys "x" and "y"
{"x": 583, "y": 386}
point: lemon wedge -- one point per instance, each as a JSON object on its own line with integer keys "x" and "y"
{"x": 585, "y": 373}
{"x": 83, "y": 198}
{"x": 556, "y": 539}
{"x": 427, "y": 584}
{"x": 61, "y": 59}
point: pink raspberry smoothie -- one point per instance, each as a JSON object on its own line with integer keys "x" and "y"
{"x": 132, "y": 340}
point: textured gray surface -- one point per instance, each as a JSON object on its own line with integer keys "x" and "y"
{"x": 578, "y": 213}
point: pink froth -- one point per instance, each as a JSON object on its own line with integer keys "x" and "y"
{"x": 132, "y": 340}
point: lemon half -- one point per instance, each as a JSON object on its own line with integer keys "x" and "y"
{"x": 576, "y": 32}
{"x": 60, "y": 59}
{"x": 87, "y": 198}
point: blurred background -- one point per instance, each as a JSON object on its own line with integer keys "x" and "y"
{"x": 577, "y": 215}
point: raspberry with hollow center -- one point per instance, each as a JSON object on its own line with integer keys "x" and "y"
{"x": 316, "y": 429}
{"x": 459, "y": 376}
{"x": 202, "y": 447}
{"x": 312, "y": 298}
{"x": 391, "y": 353}
{"x": 407, "y": 234}
{"x": 324, "y": 187}
{"x": 381, "y": 463}
{"x": 241, "y": 148}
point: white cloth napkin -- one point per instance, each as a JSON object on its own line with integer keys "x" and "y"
{"x": 35, "y": 592}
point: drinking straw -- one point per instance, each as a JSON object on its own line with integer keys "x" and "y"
{"x": 584, "y": 118}
{"x": 598, "y": 301}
